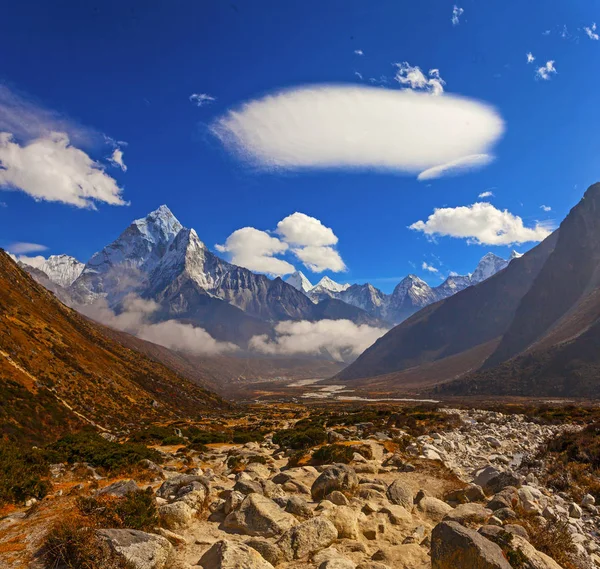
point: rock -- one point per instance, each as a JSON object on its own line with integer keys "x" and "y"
{"x": 248, "y": 487}
{"x": 398, "y": 515}
{"x": 400, "y": 494}
{"x": 345, "y": 520}
{"x": 372, "y": 565}
{"x": 588, "y": 500}
{"x": 493, "y": 442}
{"x": 434, "y": 509}
{"x": 268, "y": 550}
{"x": 534, "y": 558}
{"x": 181, "y": 484}
{"x": 575, "y": 511}
{"x": 453, "y": 546}
{"x": 468, "y": 514}
{"x": 307, "y": 538}
{"x": 177, "y": 515}
{"x": 173, "y": 537}
{"x": 516, "y": 529}
{"x": 471, "y": 493}
{"x": 484, "y": 475}
{"x": 227, "y": 554}
{"x": 259, "y": 515}
{"x": 337, "y": 498}
{"x": 340, "y": 563}
{"x": 298, "y": 507}
{"x": 505, "y": 514}
{"x": 143, "y": 550}
{"x": 501, "y": 481}
{"x": 336, "y": 477}
{"x": 232, "y": 502}
{"x": 119, "y": 489}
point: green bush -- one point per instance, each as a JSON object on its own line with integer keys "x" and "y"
{"x": 330, "y": 454}
{"x": 90, "y": 447}
{"x": 136, "y": 510}
{"x": 172, "y": 440}
{"x": 22, "y": 473}
{"x": 298, "y": 439}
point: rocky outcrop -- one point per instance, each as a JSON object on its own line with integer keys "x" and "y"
{"x": 261, "y": 516}
{"x": 231, "y": 555}
{"x": 142, "y": 550}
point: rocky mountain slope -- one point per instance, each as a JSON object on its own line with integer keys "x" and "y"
{"x": 60, "y": 269}
{"x": 409, "y": 296}
{"x": 59, "y": 369}
{"x": 536, "y": 325}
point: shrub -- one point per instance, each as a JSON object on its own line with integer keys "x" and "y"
{"x": 298, "y": 439}
{"x": 22, "y": 473}
{"x": 172, "y": 440}
{"x": 136, "y": 510}
{"x": 88, "y": 446}
{"x": 71, "y": 544}
{"x": 210, "y": 437}
{"x": 329, "y": 454}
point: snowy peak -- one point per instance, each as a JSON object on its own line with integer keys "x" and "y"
{"x": 328, "y": 284}
{"x": 60, "y": 269}
{"x": 489, "y": 265}
{"x": 299, "y": 281}
{"x": 515, "y": 255}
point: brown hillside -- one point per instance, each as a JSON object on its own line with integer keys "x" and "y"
{"x": 52, "y": 359}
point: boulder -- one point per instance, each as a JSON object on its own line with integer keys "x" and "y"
{"x": 298, "y": 507}
{"x": 454, "y": 546}
{"x": 119, "y": 489}
{"x": 398, "y": 515}
{"x": 534, "y": 559}
{"x": 400, "y": 494}
{"x": 345, "y": 520}
{"x": 307, "y": 538}
{"x": 259, "y": 515}
{"x": 434, "y": 509}
{"x": 227, "y": 554}
{"x": 501, "y": 481}
{"x": 339, "y": 563}
{"x": 469, "y": 514}
{"x": 177, "y": 515}
{"x": 339, "y": 477}
{"x": 181, "y": 484}
{"x": 142, "y": 550}
{"x": 337, "y": 498}
{"x": 268, "y": 550}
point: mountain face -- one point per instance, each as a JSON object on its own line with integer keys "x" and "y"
{"x": 79, "y": 374}
{"x": 158, "y": 259}
{"x": 489, "y": 265}
{"x": 61, "y": 269}
{"x": 299, "y": 281}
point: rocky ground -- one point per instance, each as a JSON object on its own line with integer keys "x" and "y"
{"x": 466, "y": 498}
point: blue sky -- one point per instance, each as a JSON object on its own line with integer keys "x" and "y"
{"x": 127, "y": 70}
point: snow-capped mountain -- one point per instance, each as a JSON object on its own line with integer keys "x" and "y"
{"x": 489, "y": 265}
{"x": 60, "y": 269}
{"x": 299, "y": 281}
{"x": 327, "y": 284}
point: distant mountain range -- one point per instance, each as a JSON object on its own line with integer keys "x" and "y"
{"x": 160, "y": 261}
{"x": 409, "y": 296}
{"x": 532, "y": 329}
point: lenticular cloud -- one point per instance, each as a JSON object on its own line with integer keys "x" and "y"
{"x": 337, "y": 126}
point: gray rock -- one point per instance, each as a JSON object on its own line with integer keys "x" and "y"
{"x": 400, "y": 494}
{"x": 339, "y": 477}
{"x": 501, "y": 481}
{"x": 268, "y": 550}
{"x": 143, "y": 550}
{"x": 307, "y": 538}
{"x": 259, "y": 515}
{"x": 298, "y": 507}
{"x": 177, "y": 515}
{"x": 227, "y": 554}
{"x": 434, "y": 509}
{"x": 337, "y": 498}
{"x": 119, "y": 489}
{"x": 181, "y": 484}
{"x": 453, "y": 546}
{"x": 339, "y": 563}
{"x": 246, "y": 487}
{"x": 467, "y": 514}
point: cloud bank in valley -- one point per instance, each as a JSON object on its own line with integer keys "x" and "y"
{"x": 342, "y": 126}
{"x": 342, "y": 340}
{"x": 135, "y": 319}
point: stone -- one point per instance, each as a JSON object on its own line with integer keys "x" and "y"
{"x": 501, "y": 481}
{"x": 400, "y": 494}
{"x": 454, "y": 546}
{"x": 339, "y": 477}
{"x": 307, "y": 538}
{"x": 398, "y": 515}
{"x": 337, "y": 498}
{"x": 517, "y": 529}
{"x": 484, "y": 475}
{"x": 471, "y": 493}
{"x": 142, "y": 550}
{"x": 469, "y": 514}
{"x": 345, "y": 520}
{"x": 181, "y": 484}
{"x": 268, "y": 550}
{"x": 434, "y": 509}
{"x": 535, "y": 559}
{"x": 588, "y": 500}
{"x": 177, "y": 515}
{"x": 372, "y": 565}
{"x": 339, "y": 563}
{"x": 248, "y": 487}
{"x": 227, "y": 554}
{"x": 298, "y": 507}
{"x": 259, "y": 515}
{"x": 232, "y": 502}
{"x": 119, "y": 489}
{"x": 575, "y": 511}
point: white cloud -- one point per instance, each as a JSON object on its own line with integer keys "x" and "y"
{"x": 21, "y": 247}
{"x": 116, "y": 159}
{"x": 546, "y": 33}
{"x": 545, "y": 208}
{"x": 135, "y": 319}
{"x": 255, "y": 250}
{"x": 456, "y": 14}
{"x": 530, "y": 58}
{"x": 201, "y": 99}
{"x": 359, "y": 75}
{"x": 486, "y": 194}
{"x": 415, "y": 79}
{"x": 37, "y": 261}
{"x": 591, "y": 32}
{"x": 481, "y": 223}
{"x": 362, "y": 127}
{"x": 456, "y": 167}
{"x": 49, "y": 168}
{"x": 319, "y": 259}
{"x": 546, "y": 71}
{"x": 301, "y": 229}
{"x": 342, "y": 340}
{"x": 430, "y": 268}
{"x": 358, "y": 52}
